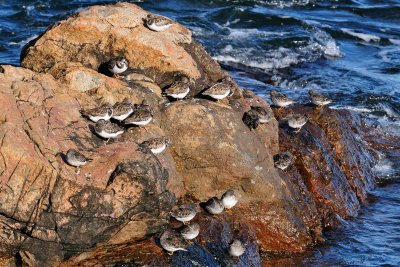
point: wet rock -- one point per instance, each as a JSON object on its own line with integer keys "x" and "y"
{"x": 332, "y": 160}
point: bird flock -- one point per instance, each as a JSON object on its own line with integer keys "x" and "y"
{"x": 112, "y": 121}
{"x": 173, "y": 240}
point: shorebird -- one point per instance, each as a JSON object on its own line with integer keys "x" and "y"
{"x": 229, "y": 199}
{"x": 157, "y": 145}
{"x": 76, "y": 159}
{"x": 236, "y": 249}
{"x": 296, "y": 121}
{"x": 214, "y": 206}
{"x": 179, "y": 89}
{"x": 171, "y": 242}
{"x": 117, "y": 66}
{"x": 122, "y": 110}
{"x": 158, "y": 23}
{"x": 220, "y": 90}
{"x": 107, "y": 130}
{"x": 184, "y": 213}
{"x": 256, "y": 116}
{"x": 318, "y": 99}
{"x": 283, "y": 160}
{"x": 190, "y": 231}
{"x": 280, "y": 100}
{"x": 103, "y": 112}
{"x": 139, "y": 117}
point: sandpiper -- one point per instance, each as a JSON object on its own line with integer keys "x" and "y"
{"x": 172, "y": 241}
{"x": 158, "y": 23}
{"x": 157, "y": 145}
{"x": 296, "y": 121}
{"x": 283, "y": 160}
{"x": 178, "y": 89}
{"x": 139, "y": 117}
{"x": 103, "y": 112}
{"x": 280, "y": 100}
{"x": 256, "y": 116}
{"x": 107, "y": 130}
{"x": 122, "y": 110}
{"x": 236, "y": 249}
{"x": 220, "y": 90}
{"x": 184, "y": 213}
{"x": 118, "y": 65}
{"x": 229, "y": 199}
{"x": 190, "y": 231}
{"x": 214, "y": 206}
{"x": 76, "y": 159}
{"x": 264, "y": 115}
{"x": 318, "y": 99}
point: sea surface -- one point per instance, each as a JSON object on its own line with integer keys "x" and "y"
{"x": 348, "y": 50}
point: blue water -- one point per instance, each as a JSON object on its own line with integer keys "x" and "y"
{"x": 350, "y": 50}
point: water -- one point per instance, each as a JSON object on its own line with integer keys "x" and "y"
{"x": 349, "y": 50}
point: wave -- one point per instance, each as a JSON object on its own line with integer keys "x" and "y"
{"x": 363, "y": 36}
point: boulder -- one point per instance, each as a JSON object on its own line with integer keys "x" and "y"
{"x": 100, "y": 33}
{"x": 123, "y": 194}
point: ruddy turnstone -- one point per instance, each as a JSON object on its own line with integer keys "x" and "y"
{"x": 158, "y": 23}
{"x": 283, "y": 160}
{"x": 229, "y": 199}
{"x": 214, "y": 206}
{"x": 157, "y": 145}
{"x": 122, "y": 110}
{"x": 118, "y": 65}
{"x": 178, "y": 89}
{"x": 296, "y": 121}
{"x": 103, "y": 112}
{"x": 219, "y": 90}
{"x": 184, "y": 213}
{"x": 236, "y": 249}
{"x": 280, "y": 100}
{"x": 172, "y": 241}
{"x": 107, "y": 130}
{"x": 190, "y": 231}
{"x": 76, "y": 159}
{"x": 318, "y": 99}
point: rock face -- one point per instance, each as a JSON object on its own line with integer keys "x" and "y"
{"x": 101, "y": 33}
{"x": 113, "y": 211}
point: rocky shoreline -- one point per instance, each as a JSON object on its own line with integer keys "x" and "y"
{"x": 50, "y": 216}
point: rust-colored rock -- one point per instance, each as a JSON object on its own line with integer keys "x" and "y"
{"x": 114, "y": 209}
{"x": 120, "y": 196}
{"x": 101, "y": 33}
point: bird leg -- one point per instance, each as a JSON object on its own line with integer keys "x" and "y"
{"x": 190, "y": 242}
{"x": 229, "y": 211}
{"x": 78, "y": 170}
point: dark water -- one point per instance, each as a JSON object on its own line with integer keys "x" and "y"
{"x": 350, "y": 50}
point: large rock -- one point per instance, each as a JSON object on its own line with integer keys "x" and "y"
{"x": 112, "y": 210}
{"x": 120, "y": 196}
{"x": 100, "y": 33}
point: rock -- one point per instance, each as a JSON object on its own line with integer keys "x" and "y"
{"x": 122, "y": 195}
{"x": 100, "y": 33}
{"x": 214, "y": 151}
{"x": 210, "y": 248}
{"x": 113, "y": 211}
{"x": 334, "y": 163}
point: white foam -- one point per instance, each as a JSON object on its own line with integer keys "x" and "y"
{"x": 384, "y": 167}
{"x": 364, "y": 36}
{"x": 24, "y": 42}
{"x": 395, "y": 41}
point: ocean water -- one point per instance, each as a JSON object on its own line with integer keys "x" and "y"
{"x": 346, "y": 49}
